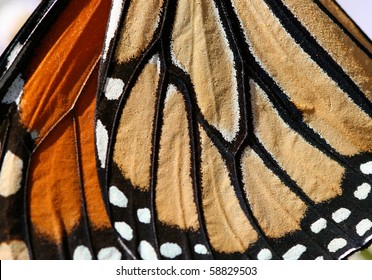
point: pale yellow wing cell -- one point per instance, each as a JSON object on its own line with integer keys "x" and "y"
{"x": 201, "y": 48}
{"x": 228, "y": 228}
{"x": 277, "y": 209}
{"x": 175, "y": 203}
{"x": 319, "y": 176}
{"x": 139, "y": 27}
{"x": 132, "y": 151}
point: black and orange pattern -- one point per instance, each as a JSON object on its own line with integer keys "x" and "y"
{"x": 186, "y": 130}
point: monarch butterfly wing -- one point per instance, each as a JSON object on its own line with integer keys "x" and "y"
{"x": 51, "y": 201}
{"x": 240, "y": 131}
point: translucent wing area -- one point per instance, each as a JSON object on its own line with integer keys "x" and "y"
{"x": 242, "y": 129}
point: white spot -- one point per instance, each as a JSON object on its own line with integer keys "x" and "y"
{"x": 155, "y": 60}
{"x": 102, "y": 142}
{"x": 200, "y": 249}
{"x": 170, "y": 250}
{"x": 366, "y": 168}
{"x": 15, "y": 91}
{"x": 341, "y": 215}
{"x": 363, "y": 226}
{"x": 117, "y": 197}
{"x": 319, "y": 225}
{"x": 144, "y": 215}
{"x": 336, "y": 244}
{"x": 146, "y": 251}
{"x": 115, "y": 14}
{"x": 124, "y": 230}
{"x": 13, "y": 55}
{"x": 295, "y": 252}
{"x": 82, "y": 253}
{"x": 319, "y": 258}
{"x": 110, "y": 253}
{"x": 362, "y": 191}
{"x": 264, "y": 254}
{"x": 113, "y": 88}
{"x": 10, "y": 174}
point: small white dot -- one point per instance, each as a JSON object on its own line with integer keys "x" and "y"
{"x": 362, "y": 191}
{"x": 124, "y": 230}
{"x": 366, "y": 168}
{"x": 319, "y": 225}
{"x": 117, "y": 197}
{"x": 295, "y": 252}
{"x": 341, "y": 215}
{"x": 109, "y": 253}
{"x": 170, "y": 250}
{"x": 146, "y": 251}
{"x": 200, "y": 249}
{"x": 336, "y": 244}
{"x": 82, "y": 253}
{"x": 144, "y": 215}
{"x": 363, "y": 226}
{"x": 114, "y": 88}
{"x": 10, "y": 174}
{"x": 264, "y": 254}
{"x": 319, "y": 258}
{"x": 102, "y": 142}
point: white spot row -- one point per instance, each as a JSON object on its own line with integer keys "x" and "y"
{"x": 83, "y": 253}
{"x": 338, "y": 216}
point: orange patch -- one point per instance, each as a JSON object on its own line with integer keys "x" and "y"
{"x": 63, "y": 162}
{"x": 62, "y": 63}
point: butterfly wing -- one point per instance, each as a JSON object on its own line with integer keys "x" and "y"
{"x": 222, "y": 130}
{"x": 241, "y": 130}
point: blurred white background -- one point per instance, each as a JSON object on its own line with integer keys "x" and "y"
{"x": 13, "y": 14}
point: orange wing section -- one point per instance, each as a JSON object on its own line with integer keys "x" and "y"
{"x": 58, "y": 106}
